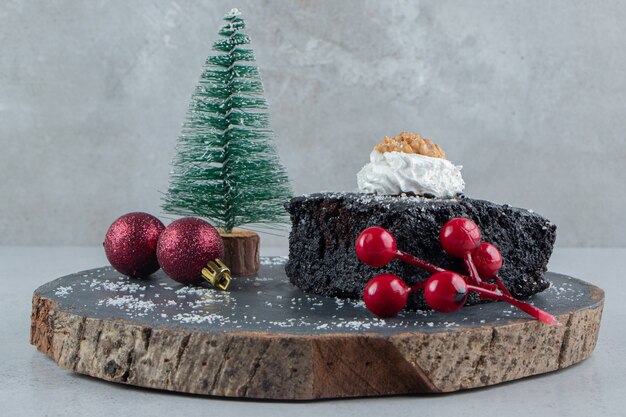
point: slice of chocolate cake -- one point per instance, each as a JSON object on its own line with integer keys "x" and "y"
{"x": 325, "y": 226}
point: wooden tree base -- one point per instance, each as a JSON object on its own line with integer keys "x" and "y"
{"x": 267, "y": 339}
{"x": 241, "y": 251}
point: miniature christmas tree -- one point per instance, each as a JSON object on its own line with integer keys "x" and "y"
{"x": 226, "y": 167}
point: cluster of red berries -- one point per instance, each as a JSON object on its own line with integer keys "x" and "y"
{"x": 445, "y": 291}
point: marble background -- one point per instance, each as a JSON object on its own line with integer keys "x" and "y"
{"x": 529, "y": 96}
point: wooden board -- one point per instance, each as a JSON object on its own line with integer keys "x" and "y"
{"x": 267, "y": 339}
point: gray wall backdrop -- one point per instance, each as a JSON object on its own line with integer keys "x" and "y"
{"x": 528, "y": 95}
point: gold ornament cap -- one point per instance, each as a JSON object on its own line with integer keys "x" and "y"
{"x": 217, "y": 273}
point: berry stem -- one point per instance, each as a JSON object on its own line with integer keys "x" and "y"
{"x": 525, "y": 307}
{"x": 474, "y": 277}
{"x": 418, "y": 286}
{"x": 500, "y": 285}
{"x": 420, "y": 263}
{"x": 471, "y": 269}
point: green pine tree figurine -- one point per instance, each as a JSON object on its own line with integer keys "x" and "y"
{"x": 226, "y": 168}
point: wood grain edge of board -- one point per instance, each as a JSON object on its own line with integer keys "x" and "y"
{"x": 311, "y": 366}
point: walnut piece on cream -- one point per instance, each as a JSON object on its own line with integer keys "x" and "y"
{"x": 410, "y": 143}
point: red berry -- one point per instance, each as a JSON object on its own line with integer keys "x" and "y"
{"x": 459, "y": 237}
{"x": 487, "y": 259}
{"x": 445, "y": 292}
{"x": 375, "y": 246}
{"x": 385, "y": 295}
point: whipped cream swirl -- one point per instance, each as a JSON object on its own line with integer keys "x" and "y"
{"x": 399, "y": 172}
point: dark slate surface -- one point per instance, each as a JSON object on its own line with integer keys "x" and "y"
{"x": 269, "y": 303}
{"x": 325, "y": 227}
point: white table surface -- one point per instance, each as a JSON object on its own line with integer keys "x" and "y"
{"x": 31, "y": 384}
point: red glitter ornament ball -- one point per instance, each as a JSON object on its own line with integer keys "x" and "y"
{"x": 186, "y": 246}
{"x": 130, "y": 244}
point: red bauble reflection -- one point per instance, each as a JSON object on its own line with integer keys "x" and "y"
{"x": 130, "y": 244}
